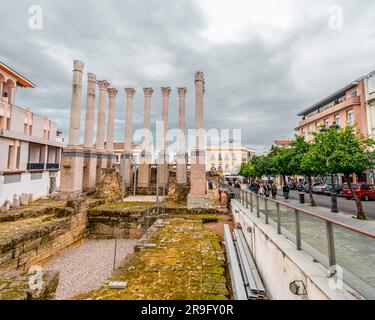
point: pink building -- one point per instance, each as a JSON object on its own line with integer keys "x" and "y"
{"x": 351, "y": 105}
{"x": 30, "y": 146}
{"x": 346, "y": 106}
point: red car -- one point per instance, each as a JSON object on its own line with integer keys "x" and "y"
{"x": 364, "y": 191}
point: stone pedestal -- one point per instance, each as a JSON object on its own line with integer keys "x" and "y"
{"x": 127, "y": 168}
{"x": 198, "y": 193}
{"x": 89, "y": 170}
{"x": 163, "y": 169}
{"x": 144, "y": 171}
{"x": 101, "y": 164}
{"x": 71, "y": 170}
{"x": 181, "y": 169}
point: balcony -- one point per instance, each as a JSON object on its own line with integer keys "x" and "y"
{"x": 35, "y": 166}
{"x": 353, "y": 101}
{"x": 53, "y": 166}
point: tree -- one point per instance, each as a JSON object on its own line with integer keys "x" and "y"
{"x": 350, "y": 154}
{"x": 263, "y": 166}
{"x": 281, "y": 159}
{"x": 302, "y": 163}
{"x": 324, "y": 142}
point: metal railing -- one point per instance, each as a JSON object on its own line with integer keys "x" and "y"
{"x": 53, "y": 166}
{"x": 342, "y": 248}
{"x": 35, "y": 166}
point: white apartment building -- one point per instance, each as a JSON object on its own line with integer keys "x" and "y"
{"x": 227, "y": 158}
{"x": 30, "y": 145}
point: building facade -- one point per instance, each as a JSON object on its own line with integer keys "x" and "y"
{"x": 347, "y": 106}
{"x": 352, "y": 105}
{"x": 228, "y": 158}
{"x": 30, "y": 144}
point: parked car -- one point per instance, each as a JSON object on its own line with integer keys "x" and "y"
{"x": 307, "y": 187}
{"x": 339, "y": 188}
{"x": 364, "y": 191}
{"x": 319, "y": 188}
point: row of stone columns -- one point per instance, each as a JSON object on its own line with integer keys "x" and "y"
{"x": 82, "y": 167}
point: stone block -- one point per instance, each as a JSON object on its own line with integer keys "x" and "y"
{"x": 24, "y": 199}
{"x": 5, "y": 207}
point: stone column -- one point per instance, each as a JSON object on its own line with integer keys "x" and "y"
{"x": 198, "y": 193}
{"x": 100, "y": 131}
{"x": 75, "y": 110}
{"x": 144, "y": 174}
{"x": 111, "y": 118}
{"x": 100, "y": 134}
{"x": 90, "y": 158}
{"x": 90, "y": 111}
{"x": 181, "y": 154}
{"x": 128, "y": 152}
{"x": 112, "y": 92}
{"x": 72, "y": 158}
{"x": 163, "y": 156}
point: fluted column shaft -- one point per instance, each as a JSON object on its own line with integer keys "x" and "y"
{"x": 129, "y": 118}
{"x": 112, "y": 92}
{"x": 75, "y": 110}
{"x": 147, "y": 117}
{"x": 182, "y": 122}
{"x": 166, "y": 93}
{"x": 100, "y": 131}
{"x": 199, "y": 120}
{"x": 90, "y": 111}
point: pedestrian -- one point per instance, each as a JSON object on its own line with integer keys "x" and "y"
{"x": 274, "y": 191}
{"x": 286, "y": 190}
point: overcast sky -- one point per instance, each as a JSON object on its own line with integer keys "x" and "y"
{"x": 264, "y": 61}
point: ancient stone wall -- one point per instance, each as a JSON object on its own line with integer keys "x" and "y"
{"x": 129, "y": 223}
{"x": 37, "y": 244}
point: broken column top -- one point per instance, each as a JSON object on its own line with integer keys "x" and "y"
{"x": 78, "y": 65}
{"x": 91, "y": 77}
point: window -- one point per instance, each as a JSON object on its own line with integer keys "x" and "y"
{"x": 317, "y": 126}
{"x": 350, "y": 116}
{"x": 310, "y": 129}
{"x": 337, "y": 120}
{"x": 354, "y": 93}
{"x": 326, "y": 123}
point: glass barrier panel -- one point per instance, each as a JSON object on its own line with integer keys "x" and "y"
{"x": 288, "y": 222}
{"x": 355, "y": 254}
{"x": 314, "y": 238}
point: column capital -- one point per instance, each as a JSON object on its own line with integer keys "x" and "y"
{"x": 166, "y": 91}
{"x": 182, "y": 92}
{"x": 130, "y": 92}
{"x": 78, "y": 65}
{"x": 199, "y": 76}
{"x": 91, "y": 77}
{"x": 112, "y": 92}
{"x": 103, "y": 85}
{"x": 148, "y": 92}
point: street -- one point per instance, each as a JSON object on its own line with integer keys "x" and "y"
{"x": 344, "y": 205}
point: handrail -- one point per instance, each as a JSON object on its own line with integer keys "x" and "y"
{"x": 316, "y": 215}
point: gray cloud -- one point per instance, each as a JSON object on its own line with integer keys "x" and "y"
{"x": 257, "y": 84}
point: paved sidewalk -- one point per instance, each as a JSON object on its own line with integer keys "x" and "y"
{"x": 345, "y": 218}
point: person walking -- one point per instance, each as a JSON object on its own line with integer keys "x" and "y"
{"x": 286, "y": 190}
{"x": 274, "y": 191}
